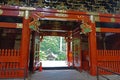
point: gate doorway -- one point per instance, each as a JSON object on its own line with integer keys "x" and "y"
{"x": 53, "y": 52}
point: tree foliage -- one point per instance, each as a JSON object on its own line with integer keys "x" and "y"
{"x": 52, "y": 44}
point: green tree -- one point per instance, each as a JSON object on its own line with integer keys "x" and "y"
{"x": 52, "y": 44}
{"x": 42, "y": 55}
{"x": 61, "y": 56}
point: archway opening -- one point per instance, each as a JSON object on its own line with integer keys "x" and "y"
{"x": 53, "y": 52}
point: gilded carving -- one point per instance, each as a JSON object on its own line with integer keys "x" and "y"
{"x": 19, "y": 25}
{"x": 1, "y": 11}
{"x": 112, "y": 19}
{"x": 97, "y": 18}
{"x": 21, "y": 13}
{"x": 98, "y": 30}
{"x": 61, "y": 15}
{"x": 62, "y": 11}
{"x": 26, "y": 14}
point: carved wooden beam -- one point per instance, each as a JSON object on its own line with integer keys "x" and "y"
{"x": 10, "y": 25}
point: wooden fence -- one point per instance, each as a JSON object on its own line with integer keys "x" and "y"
{"x": 10, "y": 64}
{"x": 109, "y": 59}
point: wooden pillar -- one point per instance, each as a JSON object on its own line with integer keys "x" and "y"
{"x": 31, "y": 63}
{"x": 68, "y": 51}
{"x": 69, "y": 54}
{"x": 92, "y": 49}
{"x": 25, "y": 41}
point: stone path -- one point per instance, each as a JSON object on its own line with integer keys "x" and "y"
{"x": 61, "y": 75}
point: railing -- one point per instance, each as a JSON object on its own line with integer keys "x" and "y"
{"x": 109, "y": 59}
{"x": 12, "y": 73}
{"x": 111, "y": 74}
{"x": 10, "y": 64}
{"x": 9, "y": 52}
{"x": 108, "y": 52}
{"x": 9, "y": 58}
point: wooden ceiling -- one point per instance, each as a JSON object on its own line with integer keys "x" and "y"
{"x": 59, "y": 26}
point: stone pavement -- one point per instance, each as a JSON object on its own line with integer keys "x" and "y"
{"x": 69, "y": 74}
{"x": 61, "y": 74}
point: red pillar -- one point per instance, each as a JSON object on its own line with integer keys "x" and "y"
{"x": 68, "y": 51}
{"x": 25, "y": 41}
{"x": 92, "y": 50}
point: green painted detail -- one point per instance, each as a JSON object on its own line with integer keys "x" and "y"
{"x": 32, "y": 27}
{"x": 85, "y": 28}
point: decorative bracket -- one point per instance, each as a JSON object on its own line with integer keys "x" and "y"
{"x": 34, "y": 25}
{"x": 86, "y": 28}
